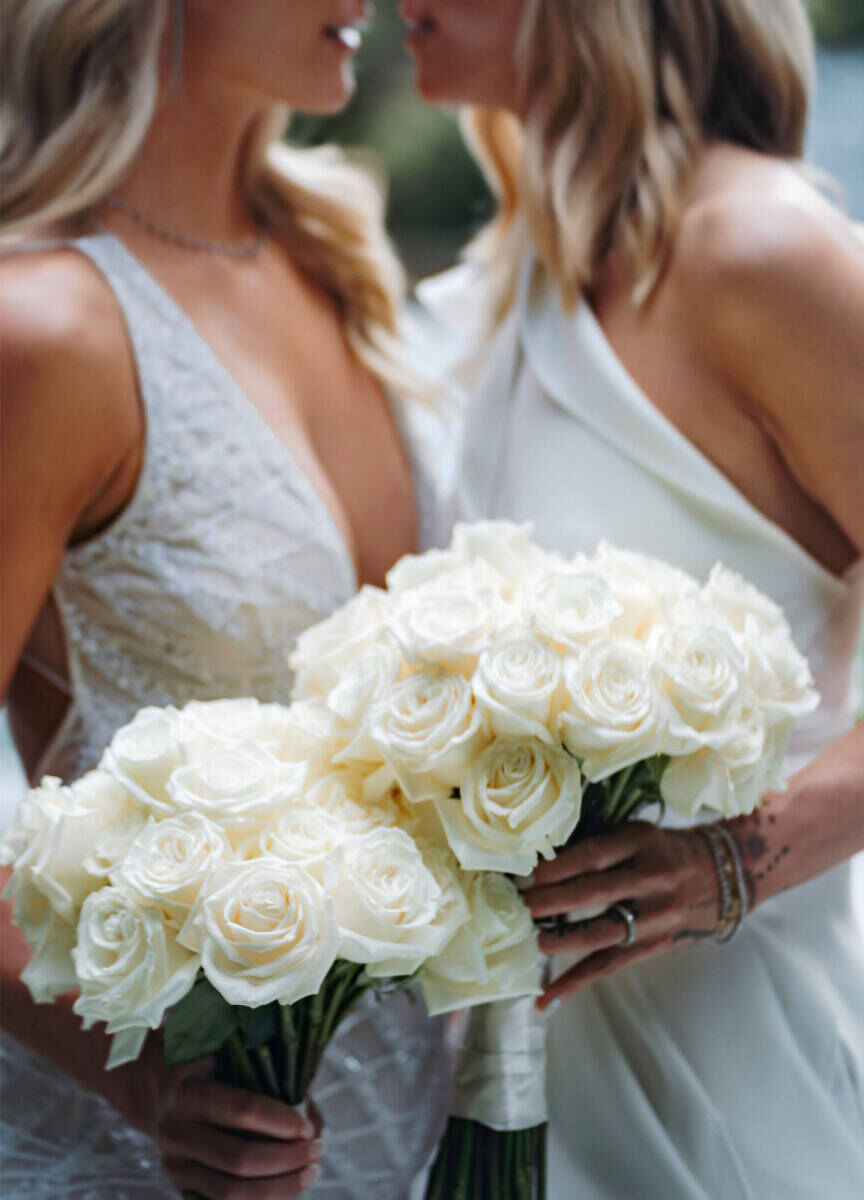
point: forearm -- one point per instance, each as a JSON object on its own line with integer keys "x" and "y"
{"x": 54, "y": 1031}
{"x": 815, "y": 825}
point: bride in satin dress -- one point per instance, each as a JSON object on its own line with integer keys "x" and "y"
{"x": 205, "y": 450}
{"x": 675, "y": 363}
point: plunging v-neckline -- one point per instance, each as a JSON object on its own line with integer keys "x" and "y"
{"x": 241, "y": 398}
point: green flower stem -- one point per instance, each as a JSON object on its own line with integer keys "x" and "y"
{"x": 264, "y": 1059}
{"x": 241, "y": 1063}
{"x": 478, "y": 1163}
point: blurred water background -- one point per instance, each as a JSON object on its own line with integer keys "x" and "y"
{"x": 437, "y": 199}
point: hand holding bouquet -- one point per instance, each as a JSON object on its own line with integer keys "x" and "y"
{"x": 521, "y": 702}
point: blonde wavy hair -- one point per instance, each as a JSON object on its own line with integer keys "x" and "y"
{"x": 619, "y": 96}
{"x": 81, "y": 82}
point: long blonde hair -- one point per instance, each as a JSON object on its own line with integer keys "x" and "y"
{"x": 81, "y": 82}
{"x": 619, "y": 95}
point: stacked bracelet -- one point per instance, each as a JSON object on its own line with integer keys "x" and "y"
{"x": 734, "y": 905}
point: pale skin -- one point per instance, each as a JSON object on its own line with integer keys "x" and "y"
{"x": 752, "y": 347}
{"x": 73, "y": 437}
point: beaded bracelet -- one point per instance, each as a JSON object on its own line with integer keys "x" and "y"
{"x": 715, "y": 845}
{"x": 740, "y": 882}
{"x": 730, "y": 877}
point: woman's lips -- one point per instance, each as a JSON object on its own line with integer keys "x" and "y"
{"x": 347, "y": 37}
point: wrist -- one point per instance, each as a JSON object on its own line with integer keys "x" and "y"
{"x": 732, "y": 894}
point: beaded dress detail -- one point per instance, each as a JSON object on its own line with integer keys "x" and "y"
{"x": 198, "y": 590}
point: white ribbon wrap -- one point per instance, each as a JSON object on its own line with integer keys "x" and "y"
{"x": 501, "y": 1070}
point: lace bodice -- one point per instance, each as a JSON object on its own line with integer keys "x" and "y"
{"x": 224, "y": 555}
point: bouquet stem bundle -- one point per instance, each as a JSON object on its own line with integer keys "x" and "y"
{"x": 475, "y": 1162}
{"x": 274, "y": 1050}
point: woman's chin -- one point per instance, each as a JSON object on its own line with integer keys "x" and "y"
{"x": 435, "y": 88}
{"x": 330, "y": 100}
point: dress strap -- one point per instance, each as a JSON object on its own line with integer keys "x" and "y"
{"x": 48, "y": 673}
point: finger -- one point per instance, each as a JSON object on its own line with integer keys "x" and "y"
{"x": 202, "y": 1100}
{"x": 606, "y": 932}
{"x": 599, "y": 966}
{"x": 594, "y": 853}
{"x": 598, "y": 891}
{"x": 237, "y": 1156}
{"x": 191, "y": 1178}
{"x": 315, "y": 1115}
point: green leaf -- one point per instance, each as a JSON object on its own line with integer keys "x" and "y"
{"x": 199, "y": 1025}
{"x": 258, "y": 1025}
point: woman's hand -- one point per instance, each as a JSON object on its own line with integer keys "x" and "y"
{"x": 667, "y": 880}
{"x": 203, "y": 1129}
{"x": 207, "y": 1151}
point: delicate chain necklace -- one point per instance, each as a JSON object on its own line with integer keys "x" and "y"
{"x": 243, "y": 250}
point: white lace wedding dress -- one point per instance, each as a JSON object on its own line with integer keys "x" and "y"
{"x": 723, "y": 1072}
{"x": 198, "y": 590}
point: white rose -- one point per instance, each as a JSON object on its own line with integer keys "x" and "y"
{"x": 444, "y": 867}
{"x": 209, "y": 723}
{"x": 314, "y": 736}
{"x": 304, "y": 837}
{"x": 429, "y": 730}
{"x": 613, "y": 715}
{"x": 237, "y": 786}
{"x": 361, "y": 686}
{"x": 416, "y": 570}
{"x": 449, "y": 622}
{"x": 570, "y": 608}
{"x": 322, "y": 652}
{"x": 388, "y": 903}
{"x": 341, "y": 796}
{"x": 777, "y": 672}
{"x": 169, "y": 862}
{"x": 701, "y": 672}
{"x": 506, "y": 547}
{"x": 495, "y": 956}
{"x": 111, "y": 847}
{"x": 517, "y": 686}
{"x": 129, "y": 964}
{"x": 519, "y": 799}
{"x": 51, "y": 971}
{"x": 55, "y": 834}
{"x": 732, "y": 780}
{"x": 266, "y": 932}
{"x": 644, "y": 587}
{"x": 32, "y": 812}
{"x": 143, "y": 754}
{"x": 740, "y": 602}
{"x": 363, "y": 680}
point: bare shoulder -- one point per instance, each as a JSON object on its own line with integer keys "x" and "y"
{"x": 767, "y": 279}
{"x": 764, "y": 244}
{"x": 66, "y": 370}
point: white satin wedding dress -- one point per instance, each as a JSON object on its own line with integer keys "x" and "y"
{"x": 723, "y": 1072}
{"x": 198, "y": 590}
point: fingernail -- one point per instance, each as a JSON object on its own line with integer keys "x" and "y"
{"x": 551, "y": 1008}
{"x": 307, "y": 1129}
{"x": 309, "y": 1176}
{"x": 524, "y": 882}
{"x": 316, "y": 1151}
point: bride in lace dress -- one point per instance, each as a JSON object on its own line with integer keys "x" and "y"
{"x": 202, "y": 455}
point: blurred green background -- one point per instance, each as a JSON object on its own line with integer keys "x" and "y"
{"x": 437, "y": 199}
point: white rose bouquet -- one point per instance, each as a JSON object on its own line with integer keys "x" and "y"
{"x": 218, "y": 876}
{"x": 242, "y": 873}
{"x": 517, "y": 701}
